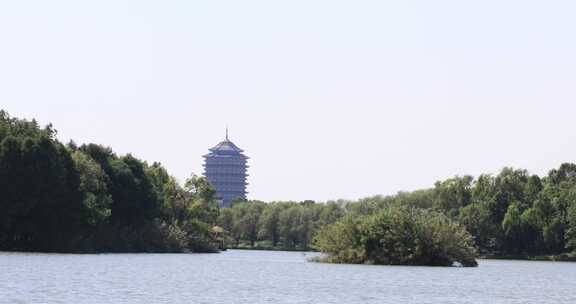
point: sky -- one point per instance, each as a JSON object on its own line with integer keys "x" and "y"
{"x": 330, "y": 99}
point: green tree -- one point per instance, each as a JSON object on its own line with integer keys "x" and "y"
{"x": 40, "y": 208}
{"x": 509, "y": 187}
{"x": 269, "y": 224}
{"x": 290, "y": 226}
{"x": 512, "y": 227}
{"x": 96, "y": 199}
{"x": 570, "y": 237}
{"x": 476, "y": 218}
{"x": 453, "y": 194}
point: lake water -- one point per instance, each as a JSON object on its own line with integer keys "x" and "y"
{"x": 256, "y": 277}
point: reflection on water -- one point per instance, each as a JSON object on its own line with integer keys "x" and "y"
{"x": 271, "y": 277}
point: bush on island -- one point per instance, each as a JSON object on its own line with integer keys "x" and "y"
{"x": 397, "y": 236}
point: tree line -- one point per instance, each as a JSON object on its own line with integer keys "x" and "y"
{"x": 69, "y": 198}
{"x": 512, "y": 213}
{"x": 276, "y": 225}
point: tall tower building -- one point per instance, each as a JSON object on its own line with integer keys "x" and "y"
{"x": 225, "y": 168}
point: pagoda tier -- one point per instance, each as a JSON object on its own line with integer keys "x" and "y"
{"x": 225, "y": 168}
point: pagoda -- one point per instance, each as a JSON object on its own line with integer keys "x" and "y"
{"x": 225, "y": 168}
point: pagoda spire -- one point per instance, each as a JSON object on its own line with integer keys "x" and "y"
{"x": 226, "y": 133}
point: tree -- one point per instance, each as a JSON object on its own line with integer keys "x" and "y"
{"x": 269, "y": 224}
{"x": 40, "y": 209}
{"x": 566, "y": 173}
{"x": 570, "y": 237}
{"x": 532, "y": 190}
{"x": 509, "y": 187}
{"x": 202, "y": 197}
{"x": 290, "y": 226}
{"x": 453, "y": 194}
{"x": 512, "y": 227}
{"x": 476, "y": 218}
{"x": 93, "y": 186}
{"x": 246, "y": 218}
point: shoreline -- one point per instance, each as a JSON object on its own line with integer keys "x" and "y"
{"x": 564, "y": 257}
{"x": 272, "y": 249}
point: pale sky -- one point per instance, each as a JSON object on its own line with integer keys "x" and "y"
{"x": 330, "y": 99}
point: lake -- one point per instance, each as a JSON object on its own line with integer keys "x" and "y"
{"x": 239, "y": 276}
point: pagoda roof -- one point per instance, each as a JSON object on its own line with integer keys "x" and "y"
{"x": 226, "y": 146}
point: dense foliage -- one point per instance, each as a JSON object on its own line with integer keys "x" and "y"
{"x": 398, "y": 236}
{"x": 88, "y": 199}
{"x": 56, "y": 197}
{"x": 512, "y": 213}
{"x": 280, "y": 225}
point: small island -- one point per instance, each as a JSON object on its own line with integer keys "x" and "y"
{"x": 397, "y": 236}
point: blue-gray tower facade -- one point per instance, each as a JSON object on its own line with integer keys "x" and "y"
{"x": 225, "y": 168}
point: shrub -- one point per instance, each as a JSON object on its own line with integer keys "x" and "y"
{"x": 398, "y": 236}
